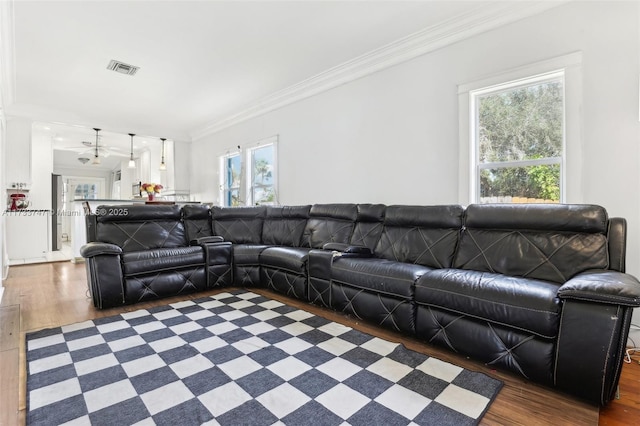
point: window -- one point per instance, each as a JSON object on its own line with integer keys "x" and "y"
{"x": 84, "y": 188}
{"x": 255, "y": 184}
{"x": 520, "y": 134}
{"x": 262, "y": 174}
{"x": 519, "y": 140}
{"x": 231, "y": 184}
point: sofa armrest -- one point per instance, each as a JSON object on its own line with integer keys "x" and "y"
{"x": 218, "y": 257}
{"x": 97, "y": 249}
{"x": 104, "y": 274}
{"x": 319, "y": 267}
{"x": 206, "y": 240}
{"x": 603, "y": 286}
{"x": 346, "y": 249}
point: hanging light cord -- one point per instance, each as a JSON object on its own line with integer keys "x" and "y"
{"x": 97, "y": 130}
{"x": 162, "y": 165}
{"x": 132, "y": 135}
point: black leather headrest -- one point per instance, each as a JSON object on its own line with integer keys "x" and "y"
{"x": 137, "y": 212}
{"x": 196, "y": 211}
{"x": 288, "y": 212}
{"x": 335, "y": 211}
{"x": 371, "y": 212}
{"x": 424, "y": 216}
{"x": 556, "y": 217}
{"x": 238, "y": 212}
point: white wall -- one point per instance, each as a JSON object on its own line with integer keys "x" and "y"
{"x": 18, "y": 147}
{"x": 181, "y": 165}
{"x": 4, "y": 259}
{"x": 378, "y": 139}
{"x": 392, "y": 137}
{"x": 41, "y": 170}
{"x": 155, "y": 175}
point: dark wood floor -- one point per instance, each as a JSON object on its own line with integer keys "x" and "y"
{"x": 54, "y": 294}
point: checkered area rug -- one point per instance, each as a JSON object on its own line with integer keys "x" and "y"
{"x": 240, "y": 358}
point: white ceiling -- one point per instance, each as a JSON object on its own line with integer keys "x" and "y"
{"x": 200, "y": 61}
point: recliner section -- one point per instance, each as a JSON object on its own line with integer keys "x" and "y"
{"x": 241, "y": 227}
{"x": 413, "y": 240}
{"x": 366, "y": 233}
{"x": 522, "y": 287}
{"x": 284, "y": 268}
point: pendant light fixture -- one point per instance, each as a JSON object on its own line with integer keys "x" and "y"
{"x": 132, "y": 162}
{"x": 163, "y": 166}
{"x": 96, "y": 157}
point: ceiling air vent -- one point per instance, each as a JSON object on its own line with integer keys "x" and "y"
{"x": 122, "y": 68}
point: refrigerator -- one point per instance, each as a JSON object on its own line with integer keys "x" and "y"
{"x": 57, "y": 206}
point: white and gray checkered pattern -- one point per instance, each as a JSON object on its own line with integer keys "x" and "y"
{"x": 240, "y": 358}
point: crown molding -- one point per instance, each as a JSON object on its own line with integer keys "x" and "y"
{"x": 477, "y": 20}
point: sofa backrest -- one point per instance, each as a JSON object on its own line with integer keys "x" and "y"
{"x": 424, "y": 235}
{"x": 329, "y": 223}
{"x": 284, "y": 226}
{"x": 140, "y": 227}
{"x": 197, "y": 221}
{"x": 551, "y": 242}
{"x": 239, "y": 225}
{"x": 368, "y": 227}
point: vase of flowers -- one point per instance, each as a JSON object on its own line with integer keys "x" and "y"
{"x": 151, "y": 189}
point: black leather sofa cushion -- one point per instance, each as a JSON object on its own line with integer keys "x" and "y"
{"x": 143, "y": 235}
{"x": 521, "y": 303}
{"x": 248, "y": 254}
{"x": 139, "y": 288}
{"x": 290, "y": 259}
{"x": 283, "y": 226}
{"x": 197, "y": 221}
{"x": 425, "y": 235}
{"x": 144, "y": 262}
{"x": 239, "y": 225}
{"x": 377, "y": 275}
{"x": 368, "y": 225}
{"x": 500, "y": 347}
{"x": 547, "y": 242}
{"x": 329, "y": 223}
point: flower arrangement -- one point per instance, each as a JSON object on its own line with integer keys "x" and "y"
{"x": 151, "y": 189}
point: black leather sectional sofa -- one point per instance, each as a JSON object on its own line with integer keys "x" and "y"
{"x": 540, "y": 290}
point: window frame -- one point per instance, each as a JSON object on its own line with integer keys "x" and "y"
{"x": 246, "y": 186}
{"x": 251, "y": 185}
{"x": 225, "y": 187}
{"x": 477, "y": 166}
{"x": 571, "y": 162}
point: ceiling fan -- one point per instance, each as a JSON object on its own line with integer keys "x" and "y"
{"x": 89, "y": 148}
{"x": 96, "y": 149}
